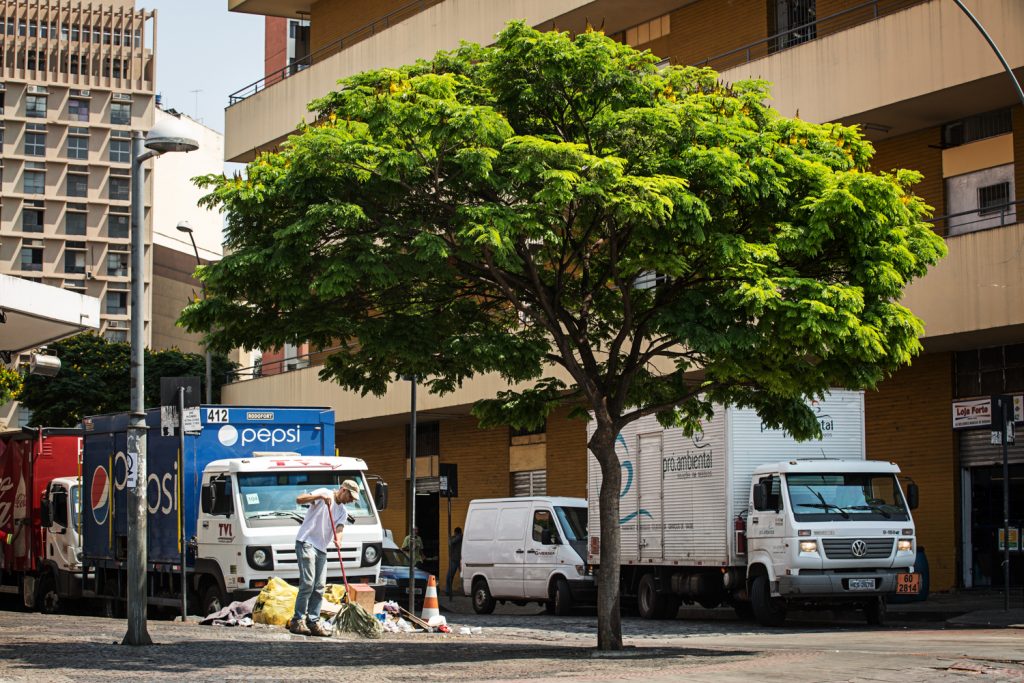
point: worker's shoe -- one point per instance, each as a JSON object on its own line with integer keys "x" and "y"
{"x": 318, "y": 628}
{"x": 298, "y": 627}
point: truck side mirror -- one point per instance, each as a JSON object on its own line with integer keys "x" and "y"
{"x": 760, "y": 496}
{"x": 380, "y": 495}
{"x": 207, "y": 499}
{"x": 912, "y": 495}
{"x": 45, "y": 512}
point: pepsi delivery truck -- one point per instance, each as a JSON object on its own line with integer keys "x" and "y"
{"x": 226, "y": 503}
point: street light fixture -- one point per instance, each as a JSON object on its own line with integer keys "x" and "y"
{"x": 186, "y": 227}
{"x": 169, "y": 135}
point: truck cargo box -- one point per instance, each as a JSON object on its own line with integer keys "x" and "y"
{"x": 680, "y": 495}
{"x": 227, "y": 432}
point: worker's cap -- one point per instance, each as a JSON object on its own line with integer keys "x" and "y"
{"x": 351, "y": 486}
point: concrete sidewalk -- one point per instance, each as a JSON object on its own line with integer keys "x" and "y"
{"x": 970, "y": 608}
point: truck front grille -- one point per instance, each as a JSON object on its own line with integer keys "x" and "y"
{"x": 843, "y": 548}
{"x": 285, "y": 557}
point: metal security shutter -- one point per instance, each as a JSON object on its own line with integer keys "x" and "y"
{"x": 428, "y": 484}
{"x": 532, "y": 483}
{"x": 976, "y": 448}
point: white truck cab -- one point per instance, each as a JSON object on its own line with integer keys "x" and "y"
{"x": 248, "y": 519}
{"x": 827, "y": 530}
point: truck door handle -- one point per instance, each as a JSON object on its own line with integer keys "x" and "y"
{"x": 531, "y": 551}
{"x": 519, "y": 551}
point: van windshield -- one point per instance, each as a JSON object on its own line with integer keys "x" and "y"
{"x": 268, "y": 498}
{"x": 573, "y": 521}
{"x": 838, "y": 497}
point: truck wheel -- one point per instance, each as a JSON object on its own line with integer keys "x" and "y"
{"x": 483, "y": 601}
{"x": 769, "y": 611}
{"x": 561, "y": 598}
{"x": 744, "y": 610}
{"x": 48, "y": 599}
{"x": 649, "y": 604}
{"x": 876, "y": 612}
{"x": 213, "y": 600}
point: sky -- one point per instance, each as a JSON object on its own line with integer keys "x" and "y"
{"x": 203, "y": 47}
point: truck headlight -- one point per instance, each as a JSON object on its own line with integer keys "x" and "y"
{"x": 904, "y": 545}
{"x": 808, "y": 546}
{"x": 259, "y": 557}
{"x": 371, "y": 554}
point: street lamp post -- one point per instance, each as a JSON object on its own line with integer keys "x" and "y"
{"x": 186, "y": 227}
{"x": 166, "y": 136}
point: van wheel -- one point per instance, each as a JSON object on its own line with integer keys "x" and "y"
{"x": 49, "y": 599}
{"x": 561, "y": 597}
{"x": 213, "y": 600}
{"x": 483, "y": 601}
{"x": 769, "y": 611}
{"x": 876, "y": 612}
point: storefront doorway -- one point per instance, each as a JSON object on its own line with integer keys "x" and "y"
{"x": 986, "y": 518}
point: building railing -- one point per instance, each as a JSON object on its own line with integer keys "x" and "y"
{"x": 346, "y": 41}
{"x": 995, "y": 216}
{"x": 281, "y": 366}
{"x": 833, "y": 23}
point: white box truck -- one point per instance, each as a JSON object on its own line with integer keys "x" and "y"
{"x": 745, "y": 515}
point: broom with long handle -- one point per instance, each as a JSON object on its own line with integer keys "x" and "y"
{"x": 357, "y": 619}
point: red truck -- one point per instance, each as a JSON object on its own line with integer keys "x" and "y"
{"x": 40, "y": 511}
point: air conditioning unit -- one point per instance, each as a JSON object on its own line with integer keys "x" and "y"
{"x": 81, "y": 93}
{"x": 117, "y": 324}
{"x": 38, "y": 90}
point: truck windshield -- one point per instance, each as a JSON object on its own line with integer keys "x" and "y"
{"x": 574, "y": 522}
{"x": 837, "y": 496}
{"x": 268, "y": 498}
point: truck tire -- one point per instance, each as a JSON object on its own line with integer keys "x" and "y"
{"x": 652, "y": 605}
{"x": 483, "y": 601}
{"x": 744, "y": 610}
{"x": 561, "y": 597}
{"x": 47, "y": 597}
{"x": 769, "y": 611}
{"x": 876, "y": 612}
{"x": 213, "y": 600}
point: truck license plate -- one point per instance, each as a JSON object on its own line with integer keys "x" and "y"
{"x": 908, "y": 584}
{"x": 862, "y": 584}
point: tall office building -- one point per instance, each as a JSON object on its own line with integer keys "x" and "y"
{"x": 924, "y": 86}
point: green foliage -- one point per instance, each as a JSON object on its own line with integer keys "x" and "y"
{"x": 10, "y": 385}
{"x": 504, "y": 209}
{"x": 95, "y": 378}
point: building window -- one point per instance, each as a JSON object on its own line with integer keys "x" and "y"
{"x": 32, "y": 255}
{"x": 993, "y": 370}
{"x": 35, "y": 182}
{"x": 78, "y": 185}
{"x": 993, "y": 198}
{"x": 428, "y": 439}
{"x": 117, "y": 264}
{"x": 117, "y": 226}
{"x": 31, "y": 220}
{"x": 74, "y": 223}
{"x": 78, "y": 147}
{"x": 78, "y": 110}
{"x": 120, "y": 151}
{"x": 117, "y": 303}
{"x": 75, "y": 286}
{"x": 35, "y": 144}
{"x": 121, "y": 113}
{"x": 116, "y": 336}
{"x": 531, "y": 483}
{"x": 74, "y": 257}
{"x": 977, "y": 127}
{"x": 791, "y": 22}
{"x": 119, "y": 188}
{"x": 35, "y": 106}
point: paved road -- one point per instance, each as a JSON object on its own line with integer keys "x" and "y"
{"x": 517, "y": 647}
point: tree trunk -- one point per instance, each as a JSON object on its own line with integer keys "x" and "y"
{"x": 609, "y": 617}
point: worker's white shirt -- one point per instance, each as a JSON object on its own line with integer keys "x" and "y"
{"x": 316, "y": 527}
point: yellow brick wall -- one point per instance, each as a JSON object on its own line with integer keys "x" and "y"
{"x": 697, "y": 29}
{"x": 919, "y": 151}
{"x": 908, "y": 422}
{"x": 567, "y": 455}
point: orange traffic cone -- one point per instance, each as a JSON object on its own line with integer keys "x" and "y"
{"x": 430, "y": 606}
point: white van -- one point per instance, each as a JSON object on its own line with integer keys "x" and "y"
{"x": 527, "y": 549}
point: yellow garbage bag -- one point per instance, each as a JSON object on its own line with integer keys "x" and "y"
{"x": 276, "y": 602}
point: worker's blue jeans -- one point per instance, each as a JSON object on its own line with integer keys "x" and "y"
{"x": 312, "y": 580}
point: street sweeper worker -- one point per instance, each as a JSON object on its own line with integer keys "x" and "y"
{"x": 311, "y": 542}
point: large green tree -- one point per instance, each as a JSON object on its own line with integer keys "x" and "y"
{"x": 664, "y": 240}
{"x": 95, "y": 378}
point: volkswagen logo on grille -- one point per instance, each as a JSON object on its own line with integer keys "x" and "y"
{"x": 859, "y": 548}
